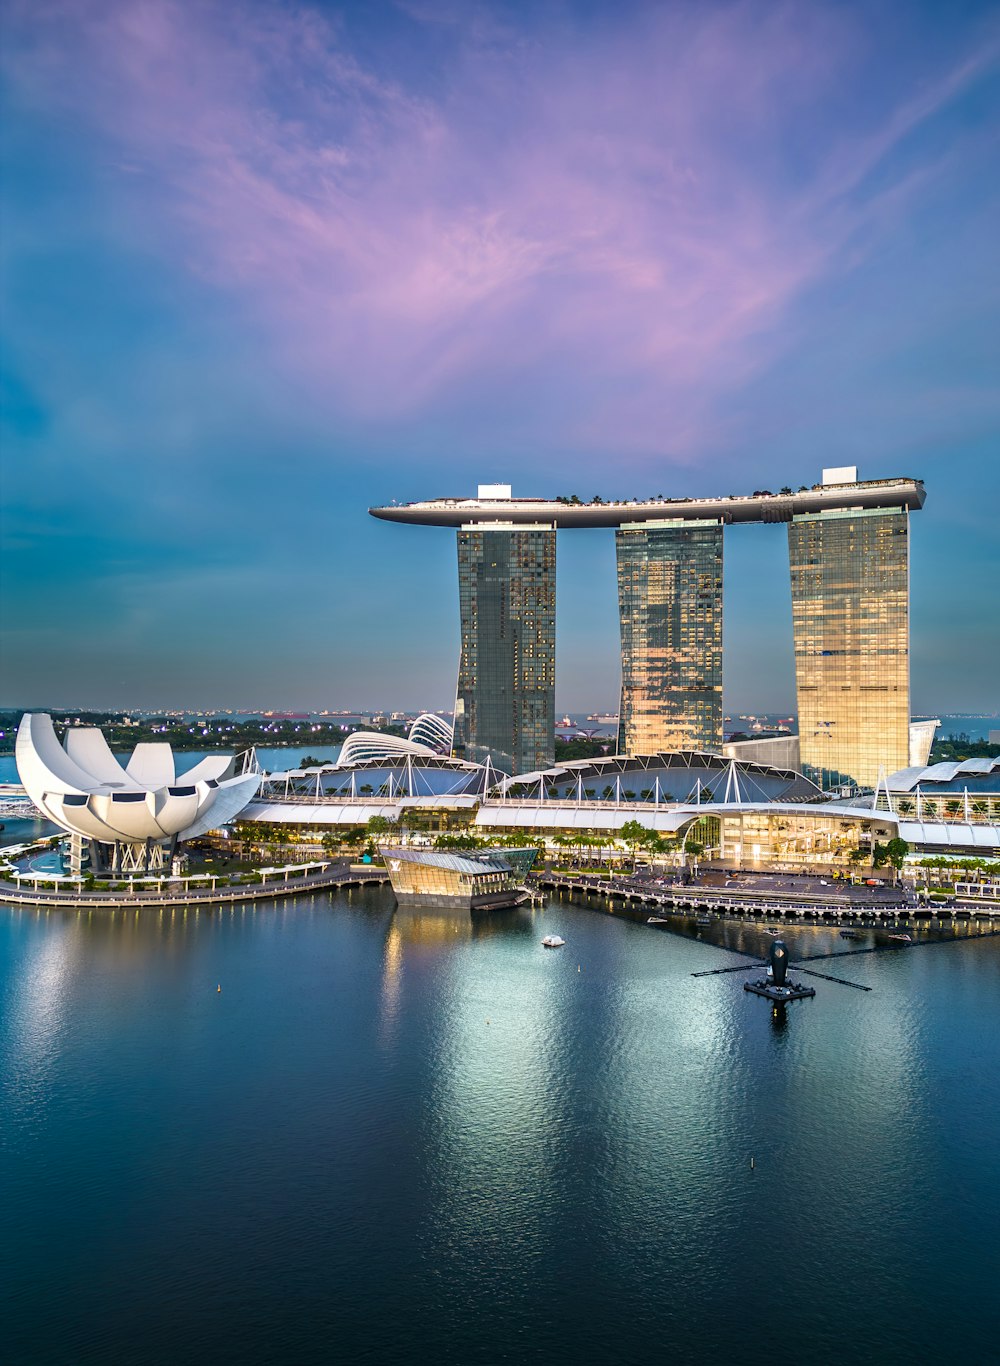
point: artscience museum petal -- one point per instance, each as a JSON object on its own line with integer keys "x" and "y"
{"x": 136, "y": 808}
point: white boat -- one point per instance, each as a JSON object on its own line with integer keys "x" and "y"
{"x": 552, "y": 941}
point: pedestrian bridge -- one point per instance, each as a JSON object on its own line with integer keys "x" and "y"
{"x": 15, "y": 803}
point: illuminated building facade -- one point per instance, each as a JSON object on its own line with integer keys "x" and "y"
{"x": 505, "y": 705}
{"x": 850, "y": 618}
{"x": 480, "y": 880}
{"x": 849, "y": 569}
{"x": 670, "y": 603}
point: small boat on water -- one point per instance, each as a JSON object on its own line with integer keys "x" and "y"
{"x": 851, "y": 934}
{"x": 657, "y": 920}
{"x": 553, "y": 941}
{"x": 901, "y": 938}
{"x": 703, "y": 920}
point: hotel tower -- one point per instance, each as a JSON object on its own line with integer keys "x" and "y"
{"x": 505, "y": 703}
{"x": 670, "y": 607}
{"x": 848, "y": 543}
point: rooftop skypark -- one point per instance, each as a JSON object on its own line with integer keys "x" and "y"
{"x": 839, "y": 489}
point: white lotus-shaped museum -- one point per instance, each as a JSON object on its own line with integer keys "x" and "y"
{"x": 81, "y": 786}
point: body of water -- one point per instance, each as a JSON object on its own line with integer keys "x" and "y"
{"x": 403, "y": 1137}
{"x": 975, "y": 727}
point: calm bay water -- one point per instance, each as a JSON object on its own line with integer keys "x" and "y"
{"x": 400, "y": 1137}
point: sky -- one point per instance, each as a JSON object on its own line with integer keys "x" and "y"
{"x": 265, "y": 265}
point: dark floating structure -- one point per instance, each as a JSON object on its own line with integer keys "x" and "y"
{"x": 776, "y": 986}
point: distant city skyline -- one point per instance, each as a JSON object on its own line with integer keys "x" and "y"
{"x": 264, "y": 267}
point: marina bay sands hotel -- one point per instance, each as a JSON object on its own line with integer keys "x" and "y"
{"x": 848, "y": 550}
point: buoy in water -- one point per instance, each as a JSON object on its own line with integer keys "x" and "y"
{"x": 219, "y": 987}
{"x": 751, "y": 1164}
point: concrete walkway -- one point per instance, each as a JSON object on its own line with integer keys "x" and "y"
{"x": 13, "y": 895}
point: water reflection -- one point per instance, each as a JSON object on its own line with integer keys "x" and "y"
{"x": 402, "y": 1129}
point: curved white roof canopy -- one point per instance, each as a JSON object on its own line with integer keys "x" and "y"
{"x": 82, "y": 786}
{"x": 433, "y": 731}
{"x": 906, "y": 779}
{"x": 367, "y": 744}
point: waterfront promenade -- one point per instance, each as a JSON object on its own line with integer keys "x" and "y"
{"x": 334, "y": 877}
{"x": 822, "y": 904}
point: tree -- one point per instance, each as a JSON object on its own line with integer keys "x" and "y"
{"x": 896, "y": 852}
{"x": 637, "y": 837}
{"x": 377, "y": 825}
{"x": 455, "y": 842}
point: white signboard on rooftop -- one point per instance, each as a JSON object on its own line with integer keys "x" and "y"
{"x": 494, "y": 492}
{"x": 841, "y": 474}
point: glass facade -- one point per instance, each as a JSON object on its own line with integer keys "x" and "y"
{"x": 450, "y": 879}
{"x": 670, "y": 601}
{"x": 505, "y": 707}
{"x": 790, "y": 840}
{"x": 850, "y": 617}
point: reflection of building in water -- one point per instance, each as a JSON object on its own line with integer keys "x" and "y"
{"x": 471, "y": 880}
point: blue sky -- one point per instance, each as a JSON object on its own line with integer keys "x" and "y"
{"x": 265, "y": 265}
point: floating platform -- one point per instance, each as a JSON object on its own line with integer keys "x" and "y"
{"x": 791, "y": 991}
